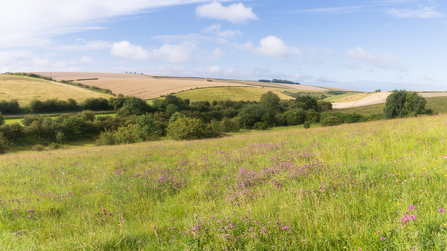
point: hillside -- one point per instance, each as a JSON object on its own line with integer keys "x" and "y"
{"x": 224, "y": 93}
{"x": 295, "y": 189}
{"x": 25, "y": 89}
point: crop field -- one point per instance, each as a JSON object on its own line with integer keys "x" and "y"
{"x": 224, "y": 93}
{"x": 25, "y": 89}
{"x": 369, "y": 186}
{"x": 348, "y": 97}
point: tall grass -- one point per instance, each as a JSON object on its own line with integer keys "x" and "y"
{"x": 330, "y": 188}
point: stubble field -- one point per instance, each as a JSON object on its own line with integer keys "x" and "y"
{"x": 369, "y": 186}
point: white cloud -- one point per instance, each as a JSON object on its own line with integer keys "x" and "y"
{"x": 31, "y": 23}
{"x": 217, "y": 53}
{"x": 89, "y": 46}
{"x": 167, "y": 53}
{"x": 426, "y": 12}
{"x": 23, "y": 61}
{"x": 224, "y": 34}
{"x": 273, "y": 47}
{"x": 234, "y": 13}
{"x": 211, "y": 28}
{"x": 384, "y": 61}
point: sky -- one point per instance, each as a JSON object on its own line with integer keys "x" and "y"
{"x": 363, "y": 44}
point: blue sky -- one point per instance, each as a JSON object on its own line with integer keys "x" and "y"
{"x": 364, "y": 44}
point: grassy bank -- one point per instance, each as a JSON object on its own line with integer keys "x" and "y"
{"x": 330, "y": 188}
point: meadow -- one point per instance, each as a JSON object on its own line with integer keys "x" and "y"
{"x": 364, "y": 186}
{"x": 25, "y": 89}
{"x": 225, "y": 93}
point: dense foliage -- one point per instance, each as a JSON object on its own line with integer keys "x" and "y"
{"x": 402, "y": 104}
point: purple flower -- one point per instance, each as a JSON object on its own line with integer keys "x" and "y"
{"x": 412, "y": 207}
{"x": 286, "y": 227}
{"x": 441, "y": 210}
{"x": 383, "y": 238}
{"x": 196, "y": 227}
{"x": 378, "y": 232}
{"x": 412, "y": 217}
{"x": 263, "y": 231}
{"x": 251, "y": 229}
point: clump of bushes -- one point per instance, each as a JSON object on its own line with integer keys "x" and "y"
{"x": 186, "y": 128}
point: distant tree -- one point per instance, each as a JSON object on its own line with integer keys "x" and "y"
{"x": 404, "y": 104}
{"x": 187, "y": 128}
{"x": 144, "y": 127}
{"x": 270, "y": 102}
{"x": 2, "y": 119}
{"x": 175, "y": 116}
{"x": 136, "y": 106}
{"x": 250, "y": 114}
{"x": 306, "y": 102}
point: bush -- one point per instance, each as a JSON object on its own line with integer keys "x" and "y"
{"x": 4, "y": 143}
{"x": 136, "y": 106}
{"x": 354, "y": 118}
{"x": 260, "y": 126}
{"x": 295, "y": 117}
{"x": 187, "y": 128}
{"x": 375, "y": 117}
{"x": 106, "y": 138}
{"x": 2, "y": 119}
{"x": 125, "y": 135}
{"x": 88, "y": 115}
{"x": 175, "y": 116}
{"x": 330, "y": 120}
{"x": 307, "y": 124}
{"x": 229, "y": 125}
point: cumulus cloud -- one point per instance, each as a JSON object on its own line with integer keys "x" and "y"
{"x": 426, "y": 12}
{"x": 167, "y": 53}
{"x": 273, "y": 47}
{"x": 234, "y": 13}
{"x": 32, "y": 23}
{"x": 384, "y": 61}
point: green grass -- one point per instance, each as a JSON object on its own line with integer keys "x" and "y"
{"x": 437, "y": 104}
{"x": 327, "y": 188}
{"x": 224, "y": 93}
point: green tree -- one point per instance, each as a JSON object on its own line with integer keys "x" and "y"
{"x": 144, "y": 127}
{"x": 2, "y": 119}
{"x": 250, "y": 114}
{"x": 175, "y": 116}
{"x": 136, "y": 106}
{"x": 270, "y": 102}
{"x": 402, "y": 104}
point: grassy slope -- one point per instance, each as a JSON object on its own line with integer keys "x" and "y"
{"x": 437, "y": 104}
{"x": 224, "y": 93}
{"x": 348, "y": 97}
{"x": 25, "y": 89}
{"x": 334, "y": 188}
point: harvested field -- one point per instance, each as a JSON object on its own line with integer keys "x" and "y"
{"x": 25, "y": 89}
{"x": 380, "y": 98}
{"x": 142, "y": 86}
{"x": 224, "y": 93}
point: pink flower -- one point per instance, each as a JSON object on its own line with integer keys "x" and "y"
{"x": 412, "y": 217}
{"x": 383, "y": 238}
{"x": 286, "y": 228}
{"x": 412, "y": 207}
{"x": 441, "y": 210}
{"x": 263, "y": 231}
{"x": 251, "y": 229}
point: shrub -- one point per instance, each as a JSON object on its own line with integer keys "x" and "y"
{"x": 354, "y": 118}
{"x": 125, "y": 135}
{"x": 295, "y": 117}
{"x": 187, "y": 128}
{"x": 136, "y": 106}
{"x": 374, "y": 117}
{"x": 229, "y": 125}
{"x": 4, "y": 143}
{"x": 175, "y": 116}
{"x": 330, "y": 120}
{"x": 2, "y": 119}
{"x": 307, "y": 124}
{"x": 260, "y": 126}
{"x": 106, "y": 138}
{"x": 88, "y": 115}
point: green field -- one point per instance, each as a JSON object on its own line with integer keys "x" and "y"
{"x": 329, "y": 188}
{"x": 437, "y": 104}
{"x": 18, "y": 120}
{"x": 25, "y": 89}
{"x": 224, "y": 93}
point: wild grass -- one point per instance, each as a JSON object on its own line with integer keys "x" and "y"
{"x": 348, "y": 187}
{"x": 224, "y": 93}
{"x": 348, "y": 97}
{"x": 18, "y": 120}
{"x": 25, "y": 89}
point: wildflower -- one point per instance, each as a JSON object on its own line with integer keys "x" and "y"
{"x": 441, "y": 210}
{"x": 196, "y": 227}
{"x": 378, "y": 232}
{"x": 286, "y": 227}
{"x": 383, "y": 238}
{"x": 251, "y": 229}
{"x": 263, "y": 231}
{"x": 412, "y": 217}
{"x": 412, "y": 207}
